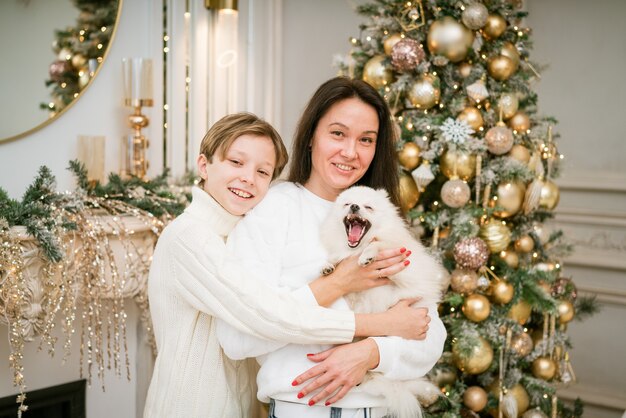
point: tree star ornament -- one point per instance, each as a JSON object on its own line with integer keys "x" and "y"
{"x": 456, "y": 131}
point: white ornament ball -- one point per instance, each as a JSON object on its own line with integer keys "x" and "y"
{"x": 475, "y": 16}
{"x": 455, "y": 193}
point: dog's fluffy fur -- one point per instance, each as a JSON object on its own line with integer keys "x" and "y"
{"x": 364, "y": 221}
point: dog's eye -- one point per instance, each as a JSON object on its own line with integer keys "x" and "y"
{"x": 346, "y": 205}
{"x": 368, "y": 207}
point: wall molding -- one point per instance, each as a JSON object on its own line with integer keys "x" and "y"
{"x": 596, "y": 181}
{"x": 590, "y": 396}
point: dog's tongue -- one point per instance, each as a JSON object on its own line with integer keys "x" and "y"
{"x": 354, "y": 234}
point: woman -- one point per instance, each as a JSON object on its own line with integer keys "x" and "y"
{"x": 344, "y": 138}
{"x": 192, "y": 281}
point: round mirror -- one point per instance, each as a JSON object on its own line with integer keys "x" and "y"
{"x": 52, "y": 51}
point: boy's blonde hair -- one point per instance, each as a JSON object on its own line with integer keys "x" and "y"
{"x": 226, "y": 130}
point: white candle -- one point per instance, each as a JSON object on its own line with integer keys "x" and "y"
{"x": 91, "y": 153}
{"x": 137, "y": 81}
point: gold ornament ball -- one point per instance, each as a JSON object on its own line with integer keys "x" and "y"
{"x": 476, "y": 307}
{"x": 79, "y": 61}
{"x": 463, "y": 161}
{"x": 499, "y": 139}
{"x": 543, "y": 368}
{"x": 475, "y": 398}
{"x": 465, "y": 69}
{"x": 494, "y": 27}
{"x": 455, "y": 193}
{"x": 521, "y": 397}
{"x": 522, "y": 344}
{"x": 478, "y": 360}
{"x": 449, "y": 38}
{"x": 463, "y": 281}
{"x": 376, "y": 74}
{"x": 509, "y": 50}
{"x": 496, "y": 235}
{"x": 472, "y": 116}
{"x": 520, "y": 122}
{"x": 510, "y": 257}
{"x": 565, "y": 310}
{"x": 549, "y": 195}
{"x": 475, "y": 16}
{"x": 509, "y": 104}
{"x": 409, "y": 194}
{"x": 520, "y": 312}
{"x": 534, "y": 413}
{"x": 390, "y": 41}
{"x": 520, "y": 153}
{"x": 510, "y": 197}
{"x": 501, "y": 67}
{"x": 502, "y": 292}
{"x": 425, "y": 93}
{"x": 517, "y": 393}
{"x": 524, "y": 244}
{"x": 409, "y": 156}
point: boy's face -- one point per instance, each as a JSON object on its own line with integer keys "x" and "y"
{"x": 242, "y": 178}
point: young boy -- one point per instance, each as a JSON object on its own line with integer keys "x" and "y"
{"x": 191, "y": 282}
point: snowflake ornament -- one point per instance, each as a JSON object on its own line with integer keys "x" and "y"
{"x": 456, "y": 131}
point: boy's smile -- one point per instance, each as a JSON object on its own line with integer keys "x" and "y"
{"x": 240, "y": 180}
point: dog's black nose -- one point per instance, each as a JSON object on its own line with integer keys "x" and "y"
{"x": 354, "y": 208}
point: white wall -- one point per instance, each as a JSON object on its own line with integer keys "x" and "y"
{"x": 583, "y": 42}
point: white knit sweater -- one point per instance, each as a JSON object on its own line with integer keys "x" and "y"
{"x": 288, "y": 223}
{"x": 191, "y": 282}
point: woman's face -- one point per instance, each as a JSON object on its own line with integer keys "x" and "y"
{"x": 342, "y": 147}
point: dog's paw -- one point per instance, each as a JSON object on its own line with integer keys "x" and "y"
{"x": 328, "y": 269}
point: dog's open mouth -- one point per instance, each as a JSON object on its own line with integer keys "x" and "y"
{"x": 356, "y": 228}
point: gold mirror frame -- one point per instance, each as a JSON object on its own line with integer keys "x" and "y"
{"x": 120, "y": 4}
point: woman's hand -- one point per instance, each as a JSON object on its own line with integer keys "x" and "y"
{"x": 349, "y": 276}
{"x": 401, "y": 320}
{"x": 340, "y": 368}
{"x": 407, "y": 322}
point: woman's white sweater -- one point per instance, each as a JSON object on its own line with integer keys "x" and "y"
{"x": 192, "y": 281}
{"x": 288, "y": 223}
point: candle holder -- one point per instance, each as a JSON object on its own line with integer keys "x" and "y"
{"x": 137, "y": 94}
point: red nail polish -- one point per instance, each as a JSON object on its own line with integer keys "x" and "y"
{"x": 311, "y": 402}
{"x": 300, "y": 395}
{"x": 407, "y": 262}
{"x": 310, "y": 355}
{"x": 408, "y": 253}
{"x": 327, "y": 403}
{"x": 294, "y": 383}
{"x": 402, "y": 250}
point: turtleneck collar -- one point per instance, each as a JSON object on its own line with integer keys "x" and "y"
{"x": 204, "y": 207}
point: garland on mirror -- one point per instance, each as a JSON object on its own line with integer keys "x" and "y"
{"x": 59, "y": 262}
{"x": 477, "y": 163}
{"x": 79, "y": 51}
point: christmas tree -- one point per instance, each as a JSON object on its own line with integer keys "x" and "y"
{"x": 477, "y": 167}
{"x": 80, "y": 49}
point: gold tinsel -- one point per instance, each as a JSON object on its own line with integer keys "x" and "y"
{"x": 89, "y": 283}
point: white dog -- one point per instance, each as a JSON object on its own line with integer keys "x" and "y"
{"x": 364, "y": 221}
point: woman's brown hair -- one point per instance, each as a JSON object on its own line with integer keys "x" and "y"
{"x": 383, "y": 171}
